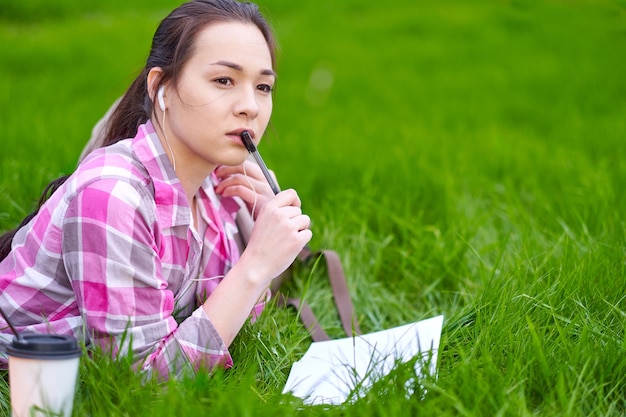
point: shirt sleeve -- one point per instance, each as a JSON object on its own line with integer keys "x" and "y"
{"x": 111, "y": 254}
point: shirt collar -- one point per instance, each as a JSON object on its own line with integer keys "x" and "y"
{"x": 171, "y": 201}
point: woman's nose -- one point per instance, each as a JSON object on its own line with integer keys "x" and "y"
{"x": 247, "y": 104}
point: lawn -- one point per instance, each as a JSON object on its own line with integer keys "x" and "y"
{"x": 464, "y": 158}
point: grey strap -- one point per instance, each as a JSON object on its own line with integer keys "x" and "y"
{"x": 341, "y": 295}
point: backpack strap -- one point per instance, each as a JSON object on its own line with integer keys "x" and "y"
{"x": 307, "y": 317}
{"x": 341, "y": 295}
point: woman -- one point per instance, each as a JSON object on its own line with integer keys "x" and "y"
{"x": 136, "y": 250}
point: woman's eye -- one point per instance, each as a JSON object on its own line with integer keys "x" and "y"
{"x": 266, "y": 88}
{"x": 224, "y": 81}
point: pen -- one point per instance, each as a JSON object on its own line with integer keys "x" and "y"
{"x": 247, "y": 141}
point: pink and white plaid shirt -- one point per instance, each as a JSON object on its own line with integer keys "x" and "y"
{"x": 112, "y": 257}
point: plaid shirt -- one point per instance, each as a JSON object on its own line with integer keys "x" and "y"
{"x": 112, "y": 257}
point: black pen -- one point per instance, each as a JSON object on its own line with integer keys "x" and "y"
{"x": 247, "y": 141}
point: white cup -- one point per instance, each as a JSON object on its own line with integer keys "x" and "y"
{"x": 43, "y": 369}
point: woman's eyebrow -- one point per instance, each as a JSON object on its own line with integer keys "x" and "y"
{"x": 238, "y": 67}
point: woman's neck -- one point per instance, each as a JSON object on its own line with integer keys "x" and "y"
{"x": 190, "y": 174}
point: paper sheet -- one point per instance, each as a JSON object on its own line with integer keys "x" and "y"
{"x": 330, "y": 370}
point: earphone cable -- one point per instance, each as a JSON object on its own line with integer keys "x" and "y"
{"x": 168, "y": 143}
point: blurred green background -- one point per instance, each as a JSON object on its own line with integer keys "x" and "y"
{"x": 401, "y": 99}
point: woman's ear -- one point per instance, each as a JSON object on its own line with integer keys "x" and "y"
{"x": 155, "y": 75}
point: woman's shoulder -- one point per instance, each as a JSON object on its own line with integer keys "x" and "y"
{"x": 112, "y": 164}
{"x": 117, "y": 160}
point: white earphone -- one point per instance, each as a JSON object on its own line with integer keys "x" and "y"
{"x": 160, "y": 98}
{"x": 161, "y": 101}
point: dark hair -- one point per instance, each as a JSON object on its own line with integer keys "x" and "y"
{"x": 172, "y": 47}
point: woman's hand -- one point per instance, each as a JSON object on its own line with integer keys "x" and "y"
{"x": 247, "y": 182}
{"x": 280, "y": 232}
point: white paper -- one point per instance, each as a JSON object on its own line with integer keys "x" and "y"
{"x": 330, "y": 370}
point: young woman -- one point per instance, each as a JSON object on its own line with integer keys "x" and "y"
{"x": 136, "y": 250}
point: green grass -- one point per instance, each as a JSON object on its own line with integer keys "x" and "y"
{"x": 465, "y": 158}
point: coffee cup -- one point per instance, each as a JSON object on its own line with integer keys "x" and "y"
{"x": 43, "y": 369}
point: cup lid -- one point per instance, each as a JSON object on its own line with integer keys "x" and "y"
{"x": 44, "y": 346}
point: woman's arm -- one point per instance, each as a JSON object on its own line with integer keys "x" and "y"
{"x": 279, "y": 234}
{"x": 111, "y": 248}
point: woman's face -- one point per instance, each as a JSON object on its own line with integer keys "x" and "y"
{"x": 224, "y": 89}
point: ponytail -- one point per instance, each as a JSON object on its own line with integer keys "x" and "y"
{"x": 132, "y": 111}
